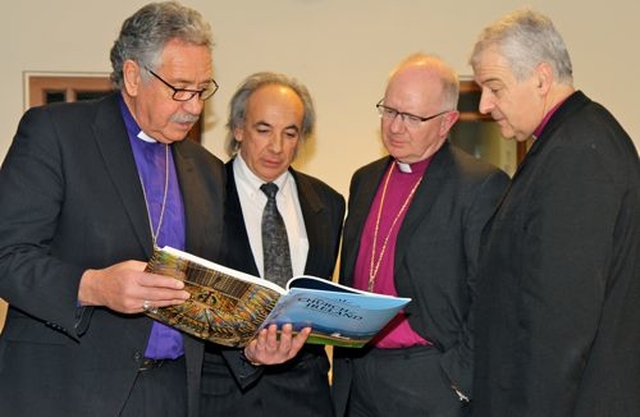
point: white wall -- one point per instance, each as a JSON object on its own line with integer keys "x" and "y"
{"x": 343, "y": 51}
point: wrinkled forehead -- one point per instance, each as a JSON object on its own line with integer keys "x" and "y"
{"x": 491, "y": 64}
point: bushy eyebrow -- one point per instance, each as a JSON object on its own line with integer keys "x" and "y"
{"x": 491, "y": 80}
{"x": 262, "y": 123}
{"x": 294, "y": 127}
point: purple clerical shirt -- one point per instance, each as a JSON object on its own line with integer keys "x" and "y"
{"x": 150, "y": 156}
{"x": 398, "y": 333}
{"x": 545, "y": 119}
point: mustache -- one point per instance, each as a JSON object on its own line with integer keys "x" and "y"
{"x": 185, "y": 118}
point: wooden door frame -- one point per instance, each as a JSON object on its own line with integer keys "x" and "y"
{"x": 37, "y": 85}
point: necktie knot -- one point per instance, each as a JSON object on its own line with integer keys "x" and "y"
{"x": 270, "y": 189}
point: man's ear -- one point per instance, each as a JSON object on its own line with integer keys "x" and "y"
{"x": 448, "y": 120}
{"x": 238, "y": 133}
{"x": 544, "y": 77}
{"x": 131, "y": 77}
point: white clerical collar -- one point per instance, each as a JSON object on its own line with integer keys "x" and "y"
{"x": 146, "y": 137}
{"x": 404, "y": 167}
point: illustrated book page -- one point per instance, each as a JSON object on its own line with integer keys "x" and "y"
{"x": 229, "y": 307}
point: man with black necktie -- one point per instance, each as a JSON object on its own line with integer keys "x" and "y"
{"x": 270, "y": 116}
{"x": 275, "y": 242}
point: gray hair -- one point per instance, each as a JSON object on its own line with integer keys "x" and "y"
{"x": 238, "y": 105}
{"x": 526, "y": 38}
{"x": 145, "y": 34}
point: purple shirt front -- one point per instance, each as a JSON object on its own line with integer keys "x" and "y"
{"x": 398, "y": 333}
{"x": 545, "y": 120}
{"x": 164, "y": 342}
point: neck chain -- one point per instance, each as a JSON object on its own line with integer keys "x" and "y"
{"x": 156, "y": 232}
{"x": 375, "y": 264}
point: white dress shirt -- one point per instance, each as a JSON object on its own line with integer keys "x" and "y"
{"x": 253, "y": 200}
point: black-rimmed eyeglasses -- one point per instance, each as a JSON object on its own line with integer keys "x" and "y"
{"x": 186, "y": 94}
{"x": 410, "y": 120}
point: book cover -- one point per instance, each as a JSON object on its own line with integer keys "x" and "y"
{"x": 229, "y": 307}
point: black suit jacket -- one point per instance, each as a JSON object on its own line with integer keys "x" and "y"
{"x": 435, "y": 257}
{"x": 71, "y": 200}
{"x": 323, "y": 212}
{"x": 558, "y": 321}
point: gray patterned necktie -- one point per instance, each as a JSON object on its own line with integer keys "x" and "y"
{"x": 275, "y": 244}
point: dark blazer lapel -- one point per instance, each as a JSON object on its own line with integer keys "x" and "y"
{"x": 433, "y": 182}
{"x": 312, "y": 209}
{"x": 358, "y": 213}
{"x": 112, "y": 139}
{"x": 572, "y": 104}
{"x": 191, "y": 191}
{"x": 239, "y": 254}
{"x": 203, "y": 229}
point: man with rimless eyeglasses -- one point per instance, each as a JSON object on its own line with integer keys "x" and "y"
{"x": 88, "y": 189}
{"x": 413, "y": 227}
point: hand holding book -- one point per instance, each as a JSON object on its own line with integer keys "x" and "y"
{"x": 229, "y": 307}
{"x": 273, "y": 346}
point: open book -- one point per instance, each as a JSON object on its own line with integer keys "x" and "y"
{"x": 229, "y": 307}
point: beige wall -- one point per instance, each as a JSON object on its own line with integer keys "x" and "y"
{"x": 342, "y": 50}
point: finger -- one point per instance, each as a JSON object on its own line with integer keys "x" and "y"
{"x": 261, "y": 340}
{"x": 299, "y": 340}
{"x": 250, "y": 348}
{"x": 305, "y": 332}
{"x": 250, "y": 352}
{"x": 272, "y": 337}
{"x": 162, "y": 296}
{"x": 286, "y": 335}
{"x": 155, "y": 303}
{"x": 146, "y": 279}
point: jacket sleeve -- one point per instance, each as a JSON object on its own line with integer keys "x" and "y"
{"x": 457, "y": 362}
{"x": 244, "y": 373}
{"x": 31, "y": 195}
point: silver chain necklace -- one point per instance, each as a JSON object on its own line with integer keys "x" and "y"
{"x": 154, "y": 234}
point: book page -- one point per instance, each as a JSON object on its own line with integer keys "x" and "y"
{"x": 226, "y": 306}
{"x": 337, "y": 316}
{"x": 224, "y": 270}
{"x": 311, "y": 282}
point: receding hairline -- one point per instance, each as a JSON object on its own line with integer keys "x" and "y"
{"x": 430, "y": 65}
